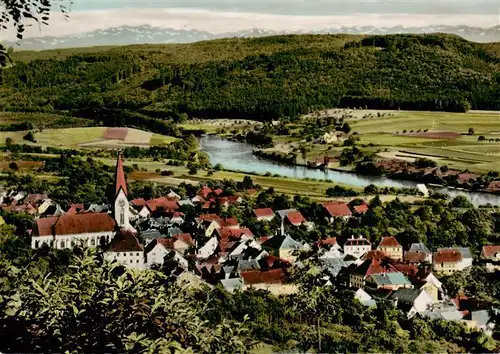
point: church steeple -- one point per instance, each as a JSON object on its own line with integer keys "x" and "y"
{"x": 120, "y": 176}
{"x": 121, "y": 207}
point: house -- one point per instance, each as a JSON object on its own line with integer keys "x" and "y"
{"x": 425, "y": 280}
{"x": 418, "y": 253}
{"x": 264, "y": 214}
{"x": 158, "y": 249}
{"x": 361, "y": 209}
{"x": 412, "y": 301}
{"x": 490, "y": 256}
{"x": 357, "y": 247}
{"x": 447, "y": 261}
{"x": 493, "y": 187}
{"x": 359, "y": 274}
{"x": 484, "y": 320}
{"x": 126, "y": 250}
{"x": 442, "y": 311}
{"x": 364, "y": 298}
{"x": 271, "y": 280}
{"x": 336, "y": 209}
{"x": 67, "y": 231}
{"x": 283, "y": 246}
{"x": 391, "y": 247}
{"x": 389, "y": 281}
{"x": 450, "y": 260}
{"x": 295, "y": 218}
{"x": 208, "y": 249}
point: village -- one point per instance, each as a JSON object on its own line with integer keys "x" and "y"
{"x": 196, "y": 239}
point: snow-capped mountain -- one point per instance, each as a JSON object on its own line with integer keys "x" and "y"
{"x": 155, "y": 35}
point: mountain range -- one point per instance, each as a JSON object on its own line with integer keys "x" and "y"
{"x": 125, "y": 35}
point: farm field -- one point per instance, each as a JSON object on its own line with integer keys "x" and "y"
{"x": 460, "y": 152}
{"x": 211, "y": 126}
{"x": 101, "y": 137}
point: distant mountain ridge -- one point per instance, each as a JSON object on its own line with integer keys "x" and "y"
{"x": 125, "y": 35}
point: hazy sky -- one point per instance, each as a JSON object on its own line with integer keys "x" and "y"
{"x": 233, "y": 15}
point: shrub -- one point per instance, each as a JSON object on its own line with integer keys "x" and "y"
{"x": 30, "y": 137}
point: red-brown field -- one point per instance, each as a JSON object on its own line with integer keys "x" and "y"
{"x": 22, "y": 165}
{"x": 116, "y": 133}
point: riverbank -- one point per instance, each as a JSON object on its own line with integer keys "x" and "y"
{"x": 236, "y": 156}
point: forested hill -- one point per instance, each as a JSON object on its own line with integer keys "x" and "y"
{"x": 260, "y": 78}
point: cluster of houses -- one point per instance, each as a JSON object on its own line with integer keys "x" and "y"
{"x": 219, "y": 250}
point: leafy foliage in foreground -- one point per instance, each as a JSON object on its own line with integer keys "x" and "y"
{"x": 95, "y": 307}
{"x": 261, "y": 78}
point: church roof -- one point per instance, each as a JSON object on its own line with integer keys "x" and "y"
{"x": 74, "y": 224}
{"x": 120, "y": 176}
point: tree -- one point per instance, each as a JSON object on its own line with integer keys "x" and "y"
{"x": 114, "y": 310}
{"x": 18, "y": 13}
{"x": 346, "y": 128}
{"x": 461, "y": 202}
{"x": 9, "y": 141}
{"x": 30, "y": 137}
{"x": 13, "y": 166}
{"x": 481, "y": 138}
{"x": 471, "y": 131}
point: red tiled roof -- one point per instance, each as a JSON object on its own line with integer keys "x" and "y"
{"x": 409, "y": 270}
{"x": 120, "y": 176}
{"x": 233, "y": 199}
{"x": 295, "y": 218}
{"x": 264, "y": 212}
{"x": 230, "y": 222}
{"x": 490, "y": 251}
{"x": 274, "y": 276}
{"x": 75, "y": 209}
{"x": 389, "y": 241}
{"x": 125, "y": 241}
{"x": 205, "y": 191}
{"x": 337, "y": 209}
{"x": 218, "y": 191}
{"x": 361, "y": 209}
{"x": 165, "y": 203}
{"x": 375, "y": 254}
{"x": 372, "y": 266}
{"x": 186, "y": 237}
{"x": 331, "y": 241}
{"x": 225, "y": 232}
{"x": 447, "y": 256}
{"x": 209, "y": 217}
{"x": 138, "y": 202}
{"x": 74, "y": 224}
{"x": 225, "y": 245}
{"x": 414, "y": 257}
{"x": 263, "y": 239}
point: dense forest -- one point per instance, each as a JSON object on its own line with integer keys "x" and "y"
{"x": 260, "y": 78}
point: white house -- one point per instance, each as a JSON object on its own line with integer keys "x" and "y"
{"x": 126, "y": 250}
{"x": 412, "y": 301}
{"x": 208, "y": 248}
{"x": 157, "y": 249}
{"x": 357, "y": 246}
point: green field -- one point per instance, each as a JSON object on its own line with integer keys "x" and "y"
{"x": 87, "y": 137}
{"x": 465, "y": 152}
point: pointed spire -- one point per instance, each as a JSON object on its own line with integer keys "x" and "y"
{"x": 120, "y": 176}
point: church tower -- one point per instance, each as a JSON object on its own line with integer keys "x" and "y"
{"x": 121, "y": 207}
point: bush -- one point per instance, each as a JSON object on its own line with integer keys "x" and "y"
{"x": 30, "y": 137}
{"x": 193, "y": 170}
{"x": 167, "y": 173}
{"x": 481, "y": 138}
{"x": 13, "y": 166}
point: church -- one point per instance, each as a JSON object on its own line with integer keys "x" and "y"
{"x": 86, "y": 228}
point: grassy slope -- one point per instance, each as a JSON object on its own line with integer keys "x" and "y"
{"x": 43, "y": 120}
{"x": 74, "y": 137}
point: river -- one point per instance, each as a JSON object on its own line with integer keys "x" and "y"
{"x": 238, "y": 156}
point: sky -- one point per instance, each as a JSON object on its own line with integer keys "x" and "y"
{"x": 234, "y": 15}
